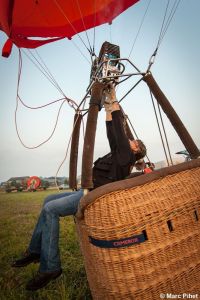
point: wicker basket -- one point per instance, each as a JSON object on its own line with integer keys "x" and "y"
{"x": 163, "y": 205}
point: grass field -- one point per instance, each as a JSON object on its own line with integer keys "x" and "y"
{"x": 18, "y": 215}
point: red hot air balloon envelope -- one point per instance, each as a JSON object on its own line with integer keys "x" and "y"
{"x": 22, "y": 20}
{"x": 33, "y": 182}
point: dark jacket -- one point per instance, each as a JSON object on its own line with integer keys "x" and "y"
{"x": 117, "y": 164}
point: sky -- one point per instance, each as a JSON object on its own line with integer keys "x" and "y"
{"x": 176, "y": 69}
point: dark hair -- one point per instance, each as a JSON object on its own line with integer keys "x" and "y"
{"x": 142, "y": 152}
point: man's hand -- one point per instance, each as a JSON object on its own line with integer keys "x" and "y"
{"x": 110, "y": 93}
{"x": 110, "y": 97}
{"x": 108, "y": 106}
{"x": 111, "y": 104}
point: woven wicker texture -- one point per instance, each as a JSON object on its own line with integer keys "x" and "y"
{"x": 168, "y": 210}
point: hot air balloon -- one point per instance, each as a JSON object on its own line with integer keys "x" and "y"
{"x": 22, "y": 20}
{"x": 132, "y": 232}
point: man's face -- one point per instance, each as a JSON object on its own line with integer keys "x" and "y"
{"x": 134, "y": 146}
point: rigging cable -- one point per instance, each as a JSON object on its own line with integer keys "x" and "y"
{"x": 159, "y": 128}
{"x": 164, "y": 28}
{"x": 139, "y": 29}
{"x": 85, "y": 57}
{"x": 94, "y": 27}
{"x": 42, "y": 71}
{"x": 163, "y": 127}
{"x": 50, "y": 77}
{"x": 170, "y": 17}
{"x": 45, "y": 141}
{"x": 75, "y": 31}
{"x": 49, "y": 72}
{"x": 131, "y": 89}
{"x": 42, "y": 106}
{"x": 44, "y": 18}
{"x": 77, "y": 2}
{"x": 134, "y": 42}
{"x": 19, "y": 99}
{"x": 163, "y": 22}
{"x": 110, "y": 33}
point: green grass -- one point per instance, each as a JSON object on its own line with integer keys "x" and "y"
{"x": 18, "y": 215}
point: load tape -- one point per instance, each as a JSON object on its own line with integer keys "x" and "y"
{"x": 126, "y": 242}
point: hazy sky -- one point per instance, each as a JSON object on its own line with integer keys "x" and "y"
{"x": 176, "y": 70}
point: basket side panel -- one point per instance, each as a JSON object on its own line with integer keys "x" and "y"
{"x": 168, "y": 210}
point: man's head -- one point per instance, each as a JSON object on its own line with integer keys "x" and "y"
{"x": 138, "y": 148}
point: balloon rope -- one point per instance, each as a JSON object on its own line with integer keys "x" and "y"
{"x": 48, "y": 72}
{"x": 165, "y": 27}
{"x": 165, "y": 134}
{"x": 75, "y": 31}
{"x": 55, "y": 126}
{"x": 50, "y": 77}
{"x": 80, "y": 51}
{"x": 110, "y": 32}
{"x": 94, "y": 26}
{"x": 40, "y": 69}
{"x": 45, "y": 141}
{"x": 139, "y": 29}
{"x": 163, "y": 22}
{"x": 17, "y": 104}
{"x": 78, "y": 4}
{"x": 43, "y": 16}
{"x": 159, "y": 128}
{"x": 42, "y": 106}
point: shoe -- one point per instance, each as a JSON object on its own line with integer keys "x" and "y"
{"x": 27, "y": 259}
{"x": 41, "y": 280}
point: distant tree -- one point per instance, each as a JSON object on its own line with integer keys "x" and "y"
{"x": 18, "y": 185}
{"x": 13, "y": 183}
{"x": 8, "y": 187}
{"x": 44, "y": 184}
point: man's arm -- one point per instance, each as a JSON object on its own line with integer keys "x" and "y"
{"x": 124, "y": 152}
{"x": 122, "y": 146}
{"x": 109, "y": 106}
{"x": 111, "y": 135}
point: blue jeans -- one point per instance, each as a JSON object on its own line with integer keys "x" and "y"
{"x": 45, "y": 237}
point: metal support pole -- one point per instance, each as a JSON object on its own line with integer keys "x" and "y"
{"x": 88, "y": 149}
{"x": 74, "y": 152}
{"x": 172, "y": 115}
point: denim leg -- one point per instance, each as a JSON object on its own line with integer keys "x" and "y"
{"x": 64, "y": 206}
{"x": 35, "y": 243}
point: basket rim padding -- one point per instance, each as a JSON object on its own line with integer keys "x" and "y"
{"x": 133, "y": 182}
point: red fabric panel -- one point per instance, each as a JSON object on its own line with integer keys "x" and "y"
{"x": 28, "y": 43}
{"x": 59, "y": 18}
{"x": 6, "y": 7}
{"x": 7, "y": 48}
{"x": 46, "y": 19}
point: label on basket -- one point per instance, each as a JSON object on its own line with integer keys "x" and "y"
{"x": 126, "y": 242}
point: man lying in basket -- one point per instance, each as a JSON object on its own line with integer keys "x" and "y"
{"x": 114, "y": 166}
